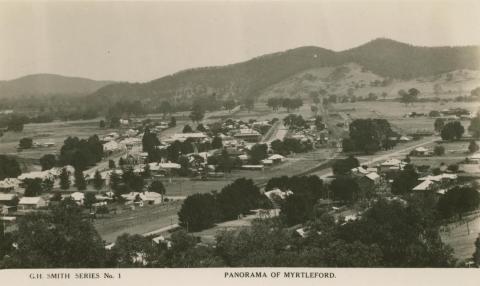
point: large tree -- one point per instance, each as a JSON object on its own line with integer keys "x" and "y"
{"x": 198, "y": 211}
{"x": 370, "y": 135}
{"x": 452, "y": 131}
{"x": 63, "y": 239}
{"x": 64, "y": 179}
{"x": 157, "y": 187}
{"x": 197, "y": 113}
{"x": 258, "y": 152}
{"x": 474, "y": 127}
{"x": 80, "y": 182}
{"x": 48, "y": 161}
{"x": 9, "y": 167}
{"x": 406, "y": 181}
{"x": 97, "y": 181}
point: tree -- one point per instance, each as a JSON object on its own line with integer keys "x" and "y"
{"x": 97, "y": 181}
{"x": 439, "y": 124}
{"x": 344, "y": 166}
{"x": 406, "y": 181}
{"x": 370, "y": 135}
{"x": 173, "y": 122}
{"x": 476, "y": 254}
{"x": 473, "y": 146}
{"x": 249, "y": 104}
{"x": 149, "y": 141}
{"x": 408, "y": 97}
{"x": 25, "y": 143}
{"x": 79, "y": 180}
{"x": 434, "y": 113}
{"x": 9, "y": 167}
{"x": 274, "y": 103}
{"x": 157, "y": 187}
{"x": 238, "y": 198}
{"x": 111, "y": 164}
{"x": 33, "y": 187}
{"x": 229, "y": 104}
{"x": 197, "y": 113}
{"x": 406, "y": 234}
{"x": 457, "y": 201}
{"x": 198, "y": 212}
{"x": 345, "y": 189}
{"x": 132, "y": 251}
{"x": 89, "y": 200}
{"x": 63, "y": 239}
{"x": 16, "y": 122}
{"x": 146, "y": 173}
{"x": 474, "y": 127}
{"x": 48, "y": 161}
{"x": 217, "y": 142}
{"x": 452, "y": 131}
{"x": 225, "y": 163}
{"x": 314, "y": 109}
{"x": 439, "y": 150}
{"x": 187, "y": 129}
{"x": 64, "y": 179}
{"x": 102, "y": 124}
{"x": 258, "y": 152}
{"x": 115, "y": 181}
{"x": 165, "y": 108}
{"x": 201, "y": 128}
{"x": 279, "y": 147}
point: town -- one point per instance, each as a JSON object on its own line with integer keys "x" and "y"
{"x": 157, "y": 135}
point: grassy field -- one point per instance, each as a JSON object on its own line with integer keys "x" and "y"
{"x": 394, "y": 112}
{"x": 141, "y": 220}
{"x": 461, "y": 236}
{"x": 293, "y": 165}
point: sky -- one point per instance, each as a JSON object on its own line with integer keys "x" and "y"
{"x": 142, "y": 41}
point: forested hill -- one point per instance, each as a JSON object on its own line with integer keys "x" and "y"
{"x": 384, "y": 57}
{"x": 49, "y": 84}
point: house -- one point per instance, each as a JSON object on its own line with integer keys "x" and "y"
{"x": 111, "y": 146}
{"x": 7, "y": 199}
{"x": 277, "y": 193}
{"x": 78, "y": 197}
{"x": 368, "y": 182}
{"x": 9, "y": 185}
{"x": 194, "y": 136}
{"x": 31, "y": 203}
{"x": 276, "y": 158}
{"x": 43, "y": 175}
{"x": 421, "y": 151}
{"x": 425, "y": 186}
{"x": 248, "y": 135}
{"x": 267, "y": 162}
{"x": 163, "y": 168}
{"x": 151, "y": 198}
{"x": 252, "y": 167}
{"x": 392, "y": 164}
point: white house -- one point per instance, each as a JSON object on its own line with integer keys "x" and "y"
{"x": 31, "y": 203}
{"x": 78, "y": 197}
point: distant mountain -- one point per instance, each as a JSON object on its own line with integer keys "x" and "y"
{"x": 383, "y": 57}
{"x": 397, "y": 60}
{"x": 49, "y": 84}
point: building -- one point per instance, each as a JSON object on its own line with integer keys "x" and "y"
{"x": 9, "y": 185}
{"x": 248, "y": 135}
{"x": 31, "y": 203}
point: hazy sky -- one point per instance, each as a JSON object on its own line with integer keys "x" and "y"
{"x": 144, "y": 41}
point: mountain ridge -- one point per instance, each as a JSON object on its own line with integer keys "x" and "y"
{"x": 49, "y": 84}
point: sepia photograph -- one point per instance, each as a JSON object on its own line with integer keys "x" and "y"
{"x": 239, "y": 135}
